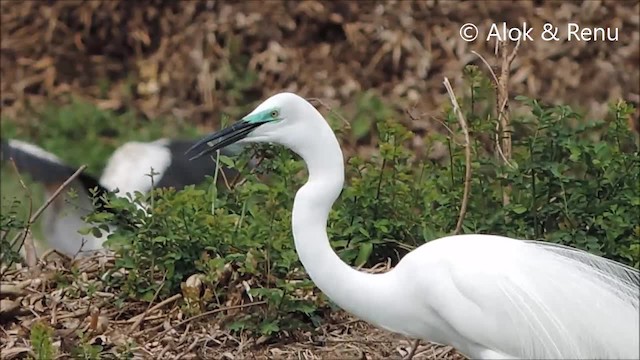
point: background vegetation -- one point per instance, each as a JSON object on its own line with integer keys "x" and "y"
{"x": 228, "y": 255}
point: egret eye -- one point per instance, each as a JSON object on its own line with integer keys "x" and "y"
{"x": 274, "y": 114}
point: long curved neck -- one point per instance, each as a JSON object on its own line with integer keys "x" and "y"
{"x": 362, "y": 294}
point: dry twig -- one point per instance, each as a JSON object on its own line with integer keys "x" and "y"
{"x": 503, "y": 125}
{"x": 467, "y": 154}
{"x": 346, "y": 123}
{"x": 141, "y": 317}
{"x": 504, "y": 122}
{"x": 412, "y": 351}
{"x": 38, "y": 212}
{"x": 138, "y": 318}
{"x": 27, "y": 241}
{"x": 206, "y": 314}
{"x": 44, "y": 206}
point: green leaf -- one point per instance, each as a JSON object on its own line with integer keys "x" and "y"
{"x": 96, "y": 232}
{"x": 85, "y": 230}
{"x": 364, "y": 253}
{"x": 519, "y": 209}
{"x": 304, "y": 307}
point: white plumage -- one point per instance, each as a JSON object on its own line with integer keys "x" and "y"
{"x": 128, "y": 167}
{"x": 490, "y": 297}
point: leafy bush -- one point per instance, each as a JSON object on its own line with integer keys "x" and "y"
{"x": 41, "y": 335}
{"x": 12, "y": 226}
{"x": 576, "y": 191}
{"x": 232, "y": 240}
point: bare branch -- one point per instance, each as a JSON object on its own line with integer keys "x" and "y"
{"x": 503, "y": 132}
{"x": 44, "y": 206}
{"x": 207, "y": 313}
{"x": 412, "y": 351}
{"x": 467, "y": 154}
{"x": 413, "y": 117}
{"x": 27, "y": 241}
{"x": 514, "y": 52}
{"x": 141, "y": 317}
{"x": 347, "y": 125}
{"x": 502, "y": 103}
{"x": 504, "y": 121}
{"x": 493, "y": 74}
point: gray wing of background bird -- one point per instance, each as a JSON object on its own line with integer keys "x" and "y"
{"x": 42, "y": 166}
{"x": 62, "y": 219}
{"x": 183, "y": 172}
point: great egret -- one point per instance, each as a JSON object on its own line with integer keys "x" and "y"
{"x": 127, "y": 170}
{"x": 490, "y": 297}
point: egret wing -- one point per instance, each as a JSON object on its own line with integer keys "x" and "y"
{"x": 535, "y": 301}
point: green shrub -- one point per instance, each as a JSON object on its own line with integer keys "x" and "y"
{"x": 572, "y": 190}
{"x": 41, "y": 341}
{"x": 12, "y": 224}
{"x": 189, "y": 232}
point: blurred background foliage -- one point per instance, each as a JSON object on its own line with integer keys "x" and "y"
{"x": 194, "y": 60}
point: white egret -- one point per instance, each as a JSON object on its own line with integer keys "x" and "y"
{"x": 490, "y": 297}
{"x": 127, "y": 171}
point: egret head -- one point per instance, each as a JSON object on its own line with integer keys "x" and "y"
{"x": 283, "y": 119}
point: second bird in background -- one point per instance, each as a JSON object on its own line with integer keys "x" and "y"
{"x": 127, "y": 171}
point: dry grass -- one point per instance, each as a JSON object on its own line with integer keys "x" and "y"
{"x": 163, "y": 330}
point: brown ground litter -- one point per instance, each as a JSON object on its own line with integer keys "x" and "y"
{"x": 165, "y": 331}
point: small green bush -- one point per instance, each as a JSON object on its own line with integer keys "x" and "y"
{"x": 12, "y": 224}
{"x": 187, "y": 232}
{"x": 41, "y": 341}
